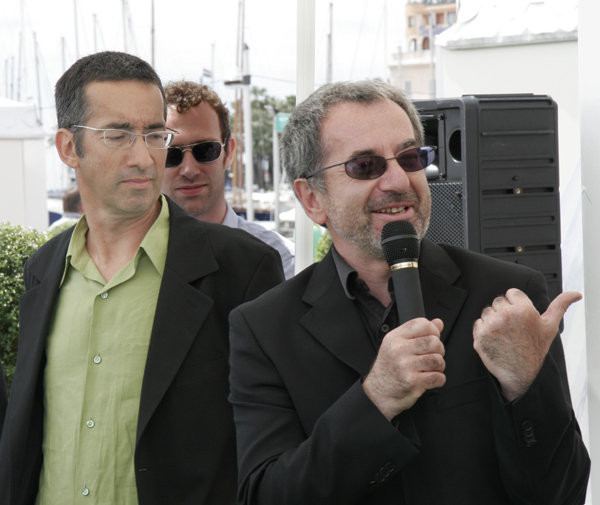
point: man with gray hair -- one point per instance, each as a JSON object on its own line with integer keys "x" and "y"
{"x": 335, "y": 402}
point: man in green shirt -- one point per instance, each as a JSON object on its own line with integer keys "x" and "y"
{"x": 120, "y": 392}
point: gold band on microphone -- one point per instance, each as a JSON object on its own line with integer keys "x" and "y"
{"x": 405, "y": 264}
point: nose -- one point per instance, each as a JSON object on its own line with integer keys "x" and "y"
{"x": 139, "y": 154}
{"x": 189, "y": 167}
{"x": 394, "y": 178}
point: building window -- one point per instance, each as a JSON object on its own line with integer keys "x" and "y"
{"x": 412, "y": 45}
{"x": 451, "y": 18}
{"x": 411, "y": 21}
{"x": 425, "y": 43}
{"x": 439, "y": 18}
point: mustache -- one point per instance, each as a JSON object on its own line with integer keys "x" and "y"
{"x": 138, "y": 173}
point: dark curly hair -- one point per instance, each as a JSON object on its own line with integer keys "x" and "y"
{"x": 187, "y": 94}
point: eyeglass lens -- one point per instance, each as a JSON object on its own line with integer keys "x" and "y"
{"x": 371, "y": 167}
{"x": 205, "y": 152}
{"x": 119, "y": 139}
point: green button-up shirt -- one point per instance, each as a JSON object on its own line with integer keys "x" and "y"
{"x": 96, "y": 354}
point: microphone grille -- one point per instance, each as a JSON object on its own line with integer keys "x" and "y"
{"x": 399, "y": 242}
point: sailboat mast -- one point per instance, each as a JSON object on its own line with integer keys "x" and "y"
{"x": 152, "y": 36}
{"x": 76, "y": 30}
{"x": 37, "y": 75}
{"x": 330, "y": 46}
{"x": 124, "y": 25}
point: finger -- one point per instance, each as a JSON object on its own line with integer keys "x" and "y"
{"x": 556, "y": 310}
{"x": 487, "y": 311}
{"x": 427, "y": 344}
{"x": 433, "y": 380}
{"x": 498, "y": 302}
{"x": 514, "y": 296}
{"x": 418, "y": 328}
{"x": 439, "y": 324}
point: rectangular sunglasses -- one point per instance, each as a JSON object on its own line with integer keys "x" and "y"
{"x": 203, "y": 152}
{"x": 371, "y": 167}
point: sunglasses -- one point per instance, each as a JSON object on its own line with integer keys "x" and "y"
{"x": 203, "y": 152}
{"x": 371, "y": 167}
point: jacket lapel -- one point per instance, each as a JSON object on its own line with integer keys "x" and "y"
{"x": 180, "y": 311}
{"x": 441, "y": 298}
{"x": 334, "y": 320}
{"x": 44, "y": 273}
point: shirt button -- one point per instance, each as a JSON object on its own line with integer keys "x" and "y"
{"x": 85, "y": 491}
{"x": 90, "y": 424}
{"x": 97, "y": 359}
{"x": 385, "y": 328}
{"x": 104, "y": 295}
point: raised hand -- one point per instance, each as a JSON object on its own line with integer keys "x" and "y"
{"x": 513, "y": 339}
{"x": 410, "y": 361}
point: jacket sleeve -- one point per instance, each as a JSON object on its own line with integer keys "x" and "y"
{"x": 349, "y": 453}
{"x": 538, "y": 441}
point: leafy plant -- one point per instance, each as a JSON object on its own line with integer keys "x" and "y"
{"x": 17, "y": 244}
{"x": 323, "y": 246}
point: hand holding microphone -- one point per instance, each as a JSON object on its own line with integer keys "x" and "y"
{"x": 411, "y": 357}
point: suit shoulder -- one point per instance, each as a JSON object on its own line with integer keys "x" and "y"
{"x": 50, "y": 252}
{"x": 481, "y": 264}
{"x": 224, "y": 239}
{"x": 287, "y": 294}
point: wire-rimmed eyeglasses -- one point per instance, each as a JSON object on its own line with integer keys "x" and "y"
{"x": 120, "y": 139}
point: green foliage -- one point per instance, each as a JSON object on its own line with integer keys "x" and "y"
{"x": 17, "y": 244}
{"x": 60, "y": 228}
{"x": 263, "y": 109}
{"x": 323, "y": 246}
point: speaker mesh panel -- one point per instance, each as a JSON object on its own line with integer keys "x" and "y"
{"x": 447, "y": 222}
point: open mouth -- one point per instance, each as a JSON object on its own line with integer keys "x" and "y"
{"x": 392, "y": 210}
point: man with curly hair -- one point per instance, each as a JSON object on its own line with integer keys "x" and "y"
{"x": 198, "y": 159}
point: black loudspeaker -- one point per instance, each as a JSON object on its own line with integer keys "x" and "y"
{"x": 494, "y": 183}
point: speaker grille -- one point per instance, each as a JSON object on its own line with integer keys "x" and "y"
{"x": 447, "y": 222}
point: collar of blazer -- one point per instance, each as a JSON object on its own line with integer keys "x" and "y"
{"x": 181, "y": 308}
{"x": 333, "y": 319}
{"x": 186, "y": 239}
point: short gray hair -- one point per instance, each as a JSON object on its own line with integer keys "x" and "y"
{"x": 301, "y": 148}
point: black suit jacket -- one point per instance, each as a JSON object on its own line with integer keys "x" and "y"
{"x": 3, "y": 396}
{"x": 308, "y": 434}
{"x": 185, "y": 450}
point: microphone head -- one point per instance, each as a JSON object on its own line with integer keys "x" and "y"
{"x": 399, "y": 242}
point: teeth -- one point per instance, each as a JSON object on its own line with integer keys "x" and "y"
{"x": 393, "y": 210}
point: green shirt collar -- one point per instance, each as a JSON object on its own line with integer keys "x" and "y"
{"x": 154, "y": 245}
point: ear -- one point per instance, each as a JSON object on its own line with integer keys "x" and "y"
{"x": 230, "y": 151}
{"x": 65, "y": 145}
{"x": 312, "y": 201}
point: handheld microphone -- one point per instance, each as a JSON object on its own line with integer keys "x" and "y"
{"x": 400, "y": 246}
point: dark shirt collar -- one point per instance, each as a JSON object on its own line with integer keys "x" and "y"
{"x": 345, "y": 271}
{"x": 349, "y": 277}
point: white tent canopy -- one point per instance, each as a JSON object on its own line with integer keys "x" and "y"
{"x": 494, "y": 23}
{"x": 18, "y": 121}
{"x": 22, "y": 166}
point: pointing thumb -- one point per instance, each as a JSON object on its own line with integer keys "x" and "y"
{"x": 556, "y": 310}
